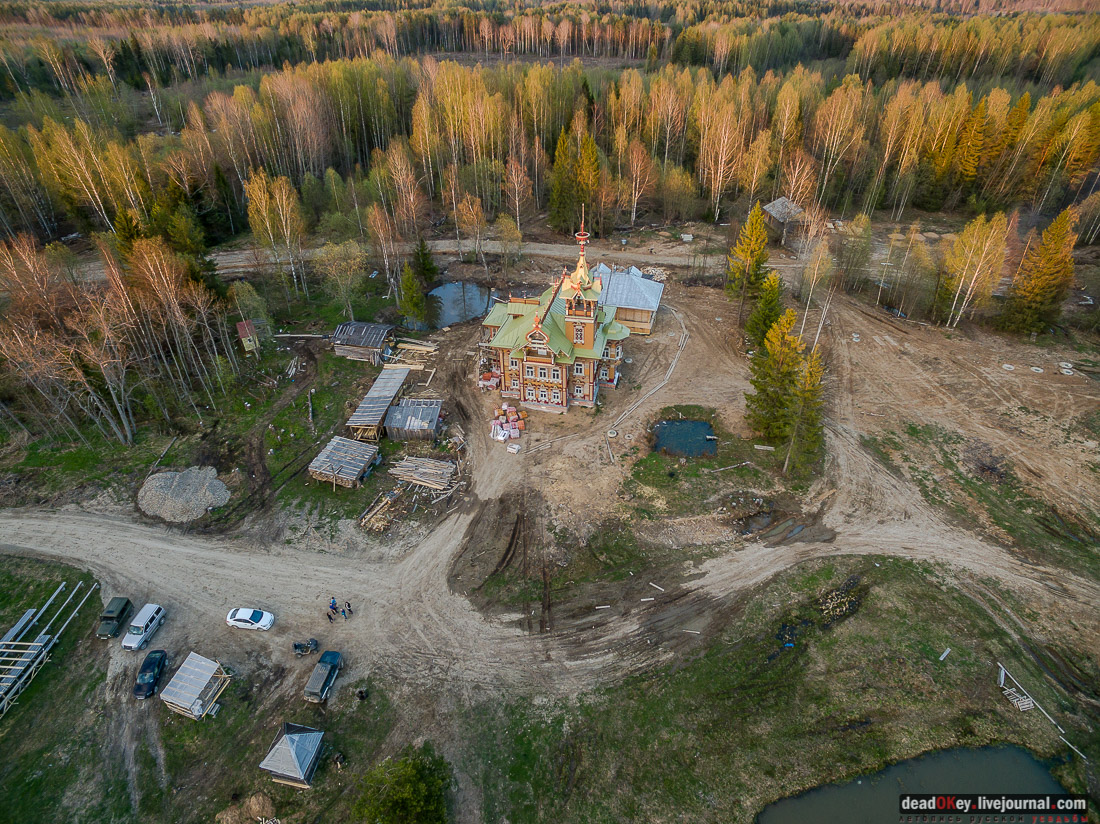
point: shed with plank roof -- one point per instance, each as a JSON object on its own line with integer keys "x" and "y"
{"x": 367, "y": 421}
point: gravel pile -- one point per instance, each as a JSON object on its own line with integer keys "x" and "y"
{"x": 182, "y": 496}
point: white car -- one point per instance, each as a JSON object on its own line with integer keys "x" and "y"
{"x": 245, "y": 618}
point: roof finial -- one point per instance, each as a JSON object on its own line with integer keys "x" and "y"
{"x": 582, "y": 236}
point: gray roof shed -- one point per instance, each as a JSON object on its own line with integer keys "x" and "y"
{"x": 372, "y": 409}
{"x": 783, "y": 209}
{"x": 414, "y": 418}
{"x": 195, "y": 686}
{"x": 360, "y": 333}
{"x": 629, "y": 291}
{"x": 343, "y": 461}
{"x": 294, "y": 754}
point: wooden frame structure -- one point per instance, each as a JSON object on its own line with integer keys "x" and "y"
{"x": 366, "y": 422}
{"x": 294, "y": 755}
{"x": 194, "y": 689}
{"x": 344, "y": 462}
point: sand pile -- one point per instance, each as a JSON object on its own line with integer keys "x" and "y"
{"x": 182, "y": 496}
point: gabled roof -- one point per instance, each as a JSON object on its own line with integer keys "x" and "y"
{"x": 359, "y": 333}
{"x": 344, "y": 458}
{"x": 191, "y": 686}
{"x": 629, "y": 291}
{"x": 783, "y": 209}
{"x": 294, "y": 753}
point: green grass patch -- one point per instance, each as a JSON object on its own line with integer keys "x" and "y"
{"x": 692, "y": 487}
{"x": 749, "y": 720}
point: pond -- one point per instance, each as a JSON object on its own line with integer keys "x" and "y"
{"x": 873, "y": 799}
{"x": 687, "y": 439}
{"x": 458, "y": 301}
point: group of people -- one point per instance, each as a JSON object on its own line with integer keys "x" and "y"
{"x": 334, "y": 609}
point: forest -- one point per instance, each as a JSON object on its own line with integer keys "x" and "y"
{"x": 154, "y": 132}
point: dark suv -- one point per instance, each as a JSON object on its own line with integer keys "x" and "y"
{"x": 152, "y": 668}
{"x": 113, "y": 618}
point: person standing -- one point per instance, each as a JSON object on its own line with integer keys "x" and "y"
{"x": 347, "y": 606}
{"x": 329, "y": 616}
{"x": 344, "y": 612}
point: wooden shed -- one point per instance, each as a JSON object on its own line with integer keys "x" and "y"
{"x": 358, "y": 340}
{"x": 366, "y": 422}
{"x": 782, "y": 215}
{"x": 414, "y": 419}
{"x": 344, "y": 462}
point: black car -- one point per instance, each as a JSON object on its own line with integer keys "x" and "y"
{"x": 152, "y": 668}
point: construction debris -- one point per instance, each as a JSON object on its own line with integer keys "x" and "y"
{"x": 508, "y": 423}
{"x": 438, "y": 475}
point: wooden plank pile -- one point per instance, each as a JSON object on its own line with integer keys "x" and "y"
{"x": 438, "y": 475}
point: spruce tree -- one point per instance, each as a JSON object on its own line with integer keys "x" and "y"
{"x": 411, "y": 300}
{"x": 563, "y": 185}
{"x": 775, "y": 373}
{"x": 423, "y": 265}
{"x": 806, "y": 430}
{"x": 769, "y": 306}
{"x": 747, "y": 261}
{"x": 588, "y": 173}
{"x": 1045, "y": 276}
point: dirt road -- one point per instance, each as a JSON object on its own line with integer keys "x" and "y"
{"x": 414, "y": 633}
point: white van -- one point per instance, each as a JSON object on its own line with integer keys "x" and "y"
{"x": 145, "y": 623}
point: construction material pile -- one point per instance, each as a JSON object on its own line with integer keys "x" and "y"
{"x": 507, "y": 424}
{"x": 183, "y": 496}
{"x": 439, "y": 475}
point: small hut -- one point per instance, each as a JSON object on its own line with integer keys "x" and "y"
{"x": 357, "y": 340}
{"x": 344, "y": 462}
{"x": 366, "y": 422}
{"x": 414, "y": 419}
{"x": 293, "y": 756}
{"x": 194, "y": 689}
{"x": 783, "y": 214}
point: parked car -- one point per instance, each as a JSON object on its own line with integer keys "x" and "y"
{"x": 145, "y": 623}
{"x": 148, "y": 679}
{"x": 113, "y": 618}
{"x": 323, "y": 675}
{"x": 246, "y": 618}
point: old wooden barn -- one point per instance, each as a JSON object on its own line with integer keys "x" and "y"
{"x": 358, "y": 340}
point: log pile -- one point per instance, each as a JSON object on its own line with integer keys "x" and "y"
{"x": 438, "y": 475}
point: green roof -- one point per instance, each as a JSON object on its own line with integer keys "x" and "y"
{"x": 515, "y": 321}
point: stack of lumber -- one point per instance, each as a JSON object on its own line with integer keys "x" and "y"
{"x": 433, "y": 474}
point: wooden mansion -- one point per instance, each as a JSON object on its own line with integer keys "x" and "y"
{"x": 557, "y": 350}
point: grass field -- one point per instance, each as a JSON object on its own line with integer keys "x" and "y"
{"x": 750, "y": 720}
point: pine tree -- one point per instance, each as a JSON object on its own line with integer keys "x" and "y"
{"x": 423, "y": 265}
{"x": 806, "y": 430}
{"x": 747, "y": 262}
{"x": 775, "y": 375}
{"x": 769, "y": 307}
{"x": 563, "y": 186}
{"x": 411, "y": 300}
{"x": 1045, "y": 276}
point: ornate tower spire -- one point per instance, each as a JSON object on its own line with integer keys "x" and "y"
{"x": 582, "y": 236}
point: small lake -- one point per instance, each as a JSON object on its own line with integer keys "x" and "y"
{"x": 458, "y": 301}
{"x": 687, "y": 439}
{"x": 873, "y": 799}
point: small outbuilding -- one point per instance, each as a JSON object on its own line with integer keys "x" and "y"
{"x": 636, "y": 297}
{"x": 344, "y": 462}
{"x": 414, "y": 419}
{"x": 194, "y": 689}
{"x": 358, "y": 340}
{"x": 293, "y": 756}
{"x": 783, "y": 214}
